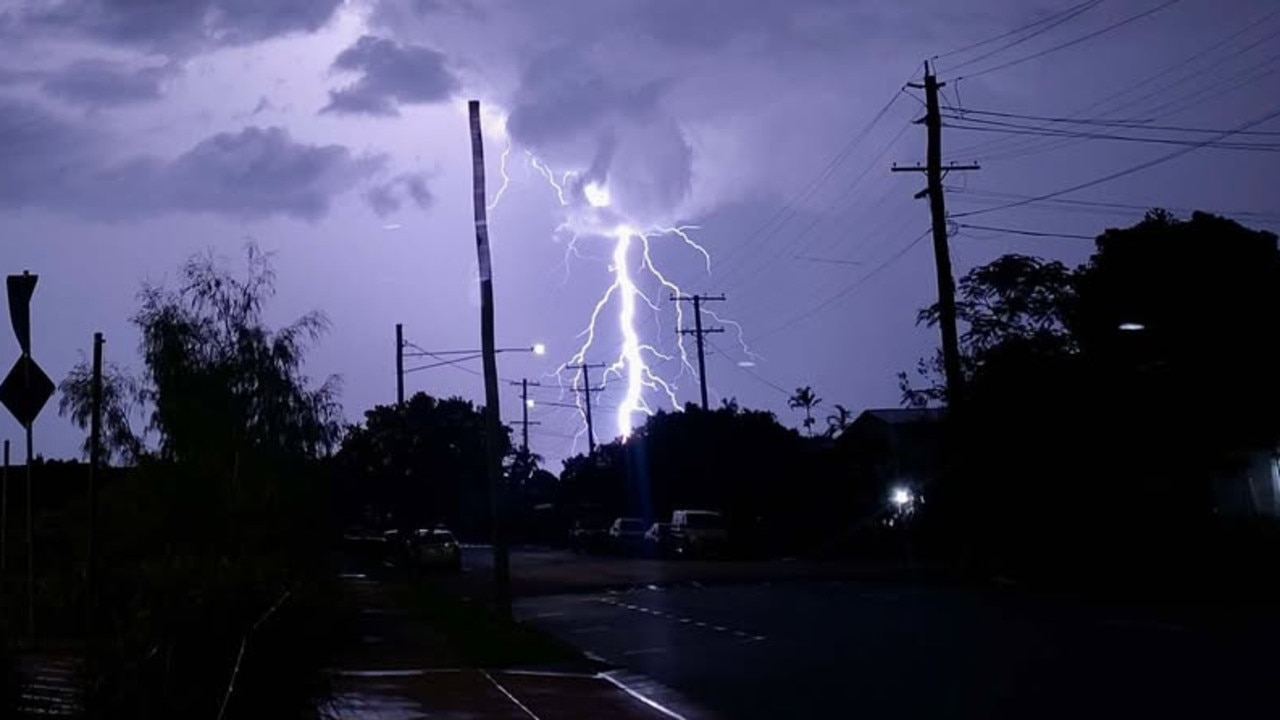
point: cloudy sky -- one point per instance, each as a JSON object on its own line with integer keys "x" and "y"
{"x": 333, "y": 133}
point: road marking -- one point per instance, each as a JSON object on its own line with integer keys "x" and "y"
{"x": 545, "y": 673}
{"x": 719, "y": 628}
{"x": 739, "y": 633}
{"x": 644, "y": 651}
{"x": 685, "y": 620}
{"x": 510, "y": 697}
{"x": 700, "y": 624}
{"x": 647, "y": 701}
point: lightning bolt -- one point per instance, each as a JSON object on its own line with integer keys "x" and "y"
{"x": 506, "y": 178}
{"x": 634, "y": 366}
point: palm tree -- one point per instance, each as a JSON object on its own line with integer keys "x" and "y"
{"x": 805, "y": 399}
{"x": 838, "y": 421}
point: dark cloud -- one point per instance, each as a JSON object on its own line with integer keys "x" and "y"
{"x": 99, "y": 83}
{"x": 559, "y": 97}
{"x": 391, "y": 74}
{"x": 388, "y": 197}
{"x": 253, "y": 173}
{"x": 182, "y": 25}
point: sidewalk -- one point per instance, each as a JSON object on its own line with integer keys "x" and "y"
{"x": 402, "y": 668}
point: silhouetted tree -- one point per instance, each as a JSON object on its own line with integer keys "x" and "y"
{"x": 1013, "y": 300}
{"x": 422, "y": 464}
{"x": 805, "y": 399}
{"x": 120, "y": 395}
{"x": 838, "y": 421}
{"x": 1112, "y": 395}
{"x": 218, "y": 381}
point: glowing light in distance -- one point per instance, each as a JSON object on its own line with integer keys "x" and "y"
{"x": 1132, "y": 327}
{"x": 539, "y": 349}
{"x": 529, "y": 402}
{"x": 746, "y": 364}
{"x": 596, "y": 195}
{"x": 900, "y": 496}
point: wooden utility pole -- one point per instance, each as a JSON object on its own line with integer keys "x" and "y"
{"x": 525, "y": 404}
{"x": 586, "y": 398}
{"x": 493, "y": 418}
{"x": 934, "y": 172}
{"x": 95, "y": 459}
{"x": 699, "y": 333}
{"x": 399, "y": 365}
{"x": 4, "y": 513}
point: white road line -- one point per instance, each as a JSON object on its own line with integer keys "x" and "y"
{"x": 510, "y": 697}
{"x": 719, "y": 628}
{"x": 651, "y": 703}
{"x": 700, "y": 624}
{"x": 739, "y": 633}
{"x": 544, "y": 673}
{"x": 685, "y": 620}
{"x": 644, "y": 651}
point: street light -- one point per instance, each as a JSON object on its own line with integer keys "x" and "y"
{"x": 1132, "y": 326}
{"x": 901, "y": 497}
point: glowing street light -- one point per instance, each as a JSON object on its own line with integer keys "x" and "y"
{"x": 528, "y": 402}
{"x": 1132, "y": 326}
{"x": 539, "y": 349}
{"x": 900, "y": 497}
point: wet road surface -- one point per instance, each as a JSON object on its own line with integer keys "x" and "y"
{"x": 849, "y": 649}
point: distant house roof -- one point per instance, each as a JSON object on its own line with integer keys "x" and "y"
{"x": 904, "y": 416}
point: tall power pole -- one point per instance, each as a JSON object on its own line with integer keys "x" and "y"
{"x": 699, "y": 333}
{"x": 4, "y": 513}
{"x": 493, "y": 420}
{"x": 934, "y": 172}
{"x": 586, "y": 398}
{"x": 95, "y": 460}
{"x": 399, "y": 365}
{"x": 524, "y": 416}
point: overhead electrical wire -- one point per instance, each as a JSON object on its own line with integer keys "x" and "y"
{"x": 1127, "y": 171}
{"x": 1075, "y": 41}
{"x": 1054, "y": 21}
{"x": 845, "y": 292}
{"x": 1017, "y": 31}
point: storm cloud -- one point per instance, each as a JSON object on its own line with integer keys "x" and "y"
{"x": 252, "y": 173}
{"x": 390, "y": 74}
{"x": 100, "y": 83}
{"x": 178, "y": 26}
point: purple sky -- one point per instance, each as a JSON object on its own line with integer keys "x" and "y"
{"x": 334, "y": 134}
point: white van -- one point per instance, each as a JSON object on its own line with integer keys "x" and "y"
{"x": 697, "y": 532}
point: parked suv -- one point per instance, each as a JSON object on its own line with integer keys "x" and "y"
{"x": 698, "y": 533}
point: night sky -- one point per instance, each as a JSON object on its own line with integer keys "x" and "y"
{"x": 334, "y": 134}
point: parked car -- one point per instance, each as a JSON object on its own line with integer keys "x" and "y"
{"x": 588, "y": 537}
{"x": 435, "y": 549}
{"x": 626, "y": 535}
{"x": 698, "y": 533}
{"x": 657, "y": 540}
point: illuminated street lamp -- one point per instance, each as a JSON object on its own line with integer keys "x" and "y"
{"x": 900, "y": 497}
{"x": 1132, "y": 326}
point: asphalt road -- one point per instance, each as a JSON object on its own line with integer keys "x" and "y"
{"x": 833, "y": 648}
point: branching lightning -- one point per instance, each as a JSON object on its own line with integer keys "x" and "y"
{"x": 506, "y": 177}
{"x": 592, "y": 214}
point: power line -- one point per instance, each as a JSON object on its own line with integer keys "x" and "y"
{"x": 1028, "y": 147}
{"x": 1027, "y": 233}
{"x": 1014, "y": 129}
{"x": 844, "y": 292}
{"x": 1065, "y": 16}
{"x": 973, "y": 46}
{"x": 788, "y": 209}
{"x": 1122, "y": 173}
{"x": 749, "y": 371}
{"x": 1069, "y": 203}
{"x": 1076, "y": 41}
{"x": 962, "y": 114}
